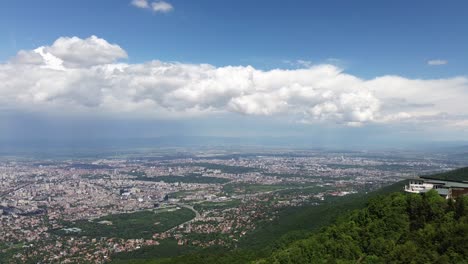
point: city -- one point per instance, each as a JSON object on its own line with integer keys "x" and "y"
{"x": 233, "y": 132}
{"x": 90, "y": 209}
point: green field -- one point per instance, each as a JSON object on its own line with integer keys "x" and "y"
{"x": 250, "y": 188}
{"x": 206, "y": 206}
{"x": 135, "y": 173}
{"x": 192, "y": 178}
{"x": 287, "y": 175}
{"x": 308, "y": 190}
{"x": 96, "y": 176}
{"x": 132, "y": 225}
{"x": 221, "y": 167}
{"x": 247, "y": 188}
{"x": 180, "y": 194}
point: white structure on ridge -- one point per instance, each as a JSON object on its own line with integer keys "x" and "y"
{"x": 445, "y": 188}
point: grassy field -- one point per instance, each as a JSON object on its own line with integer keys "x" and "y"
{"x": 303, "y": 190}
{"x": 193, "y": 178}
{"x": 250, "y": 188}
{"x": 96, "y": 176}
{"x": 221, "y": 167}
{"x": 246, "y": 188}
{"x": 133, "y": 225}
{"x": 206, "y": 206}
{"x": 287, "y": 175}
{"x": 180, "y": 194}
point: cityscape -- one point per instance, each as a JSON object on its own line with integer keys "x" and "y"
{"x": 233, "y": 132}
{"x": 83, "y": 209}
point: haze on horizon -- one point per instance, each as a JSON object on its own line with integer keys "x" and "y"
{"x": 327, "y": 71}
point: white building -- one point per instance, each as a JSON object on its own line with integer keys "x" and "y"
{"x": 448, "y": 189}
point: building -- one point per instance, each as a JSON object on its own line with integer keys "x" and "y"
{"x": 446, "y": 188}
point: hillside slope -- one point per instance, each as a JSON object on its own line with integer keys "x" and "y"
{"x": 395, "y": 228}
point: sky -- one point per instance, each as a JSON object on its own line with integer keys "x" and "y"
{"x": 324, "y": 71}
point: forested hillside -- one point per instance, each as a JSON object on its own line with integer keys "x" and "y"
{"x": 396, "y": 228}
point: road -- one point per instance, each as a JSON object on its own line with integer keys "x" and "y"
{"x": 197, "y": 214}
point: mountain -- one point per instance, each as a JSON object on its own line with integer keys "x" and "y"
{"x": 394, "y": 228}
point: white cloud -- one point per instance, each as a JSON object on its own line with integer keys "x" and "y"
{"x": 156, "y": 6}
{"x": 140, "y": 3}
{"x": 73, "y": 53}
{"x": 28, "y": 57}
{"x": 161, "y": 6}
{"x": 436, "y": 62}
{"x": 76, "y": 52}
{"x": 82, "y": 76}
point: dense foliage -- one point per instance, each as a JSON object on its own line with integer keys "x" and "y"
{"x": 396, "y": 228}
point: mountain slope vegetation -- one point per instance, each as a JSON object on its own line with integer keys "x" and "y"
{"x": 396, "y": 228}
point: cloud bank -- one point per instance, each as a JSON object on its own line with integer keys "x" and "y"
{"x": 87, "y": 77}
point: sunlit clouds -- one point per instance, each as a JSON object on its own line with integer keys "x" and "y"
{"x": 90, "y": 77}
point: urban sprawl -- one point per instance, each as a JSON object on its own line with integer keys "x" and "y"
{"x": 73, "y": 210}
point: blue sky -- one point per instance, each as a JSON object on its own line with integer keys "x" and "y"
{"x": 370, "y": 37}
{"x": 380, "y": 49}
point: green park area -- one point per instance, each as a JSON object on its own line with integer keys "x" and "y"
{"x": 206, "y": 206}
{"x": 247, "y": 188}
{"x": 141, "y": 224}
{"x": 192, "y": 178}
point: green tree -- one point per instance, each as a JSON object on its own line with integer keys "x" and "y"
{"x": 460, "y": 209}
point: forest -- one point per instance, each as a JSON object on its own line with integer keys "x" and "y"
{"x": 395, "y": 228}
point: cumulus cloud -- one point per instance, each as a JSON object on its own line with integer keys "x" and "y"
{"x": 436, "y": 62}
{"x": 157, "y": 6}
{"x": 140, "y": 3}
{"x": 161, "y": 6}
{"x": 72, "y": 53}
{"x": 82, "y": 76}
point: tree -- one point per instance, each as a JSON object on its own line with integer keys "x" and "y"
{"x": 460, "y": 210}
